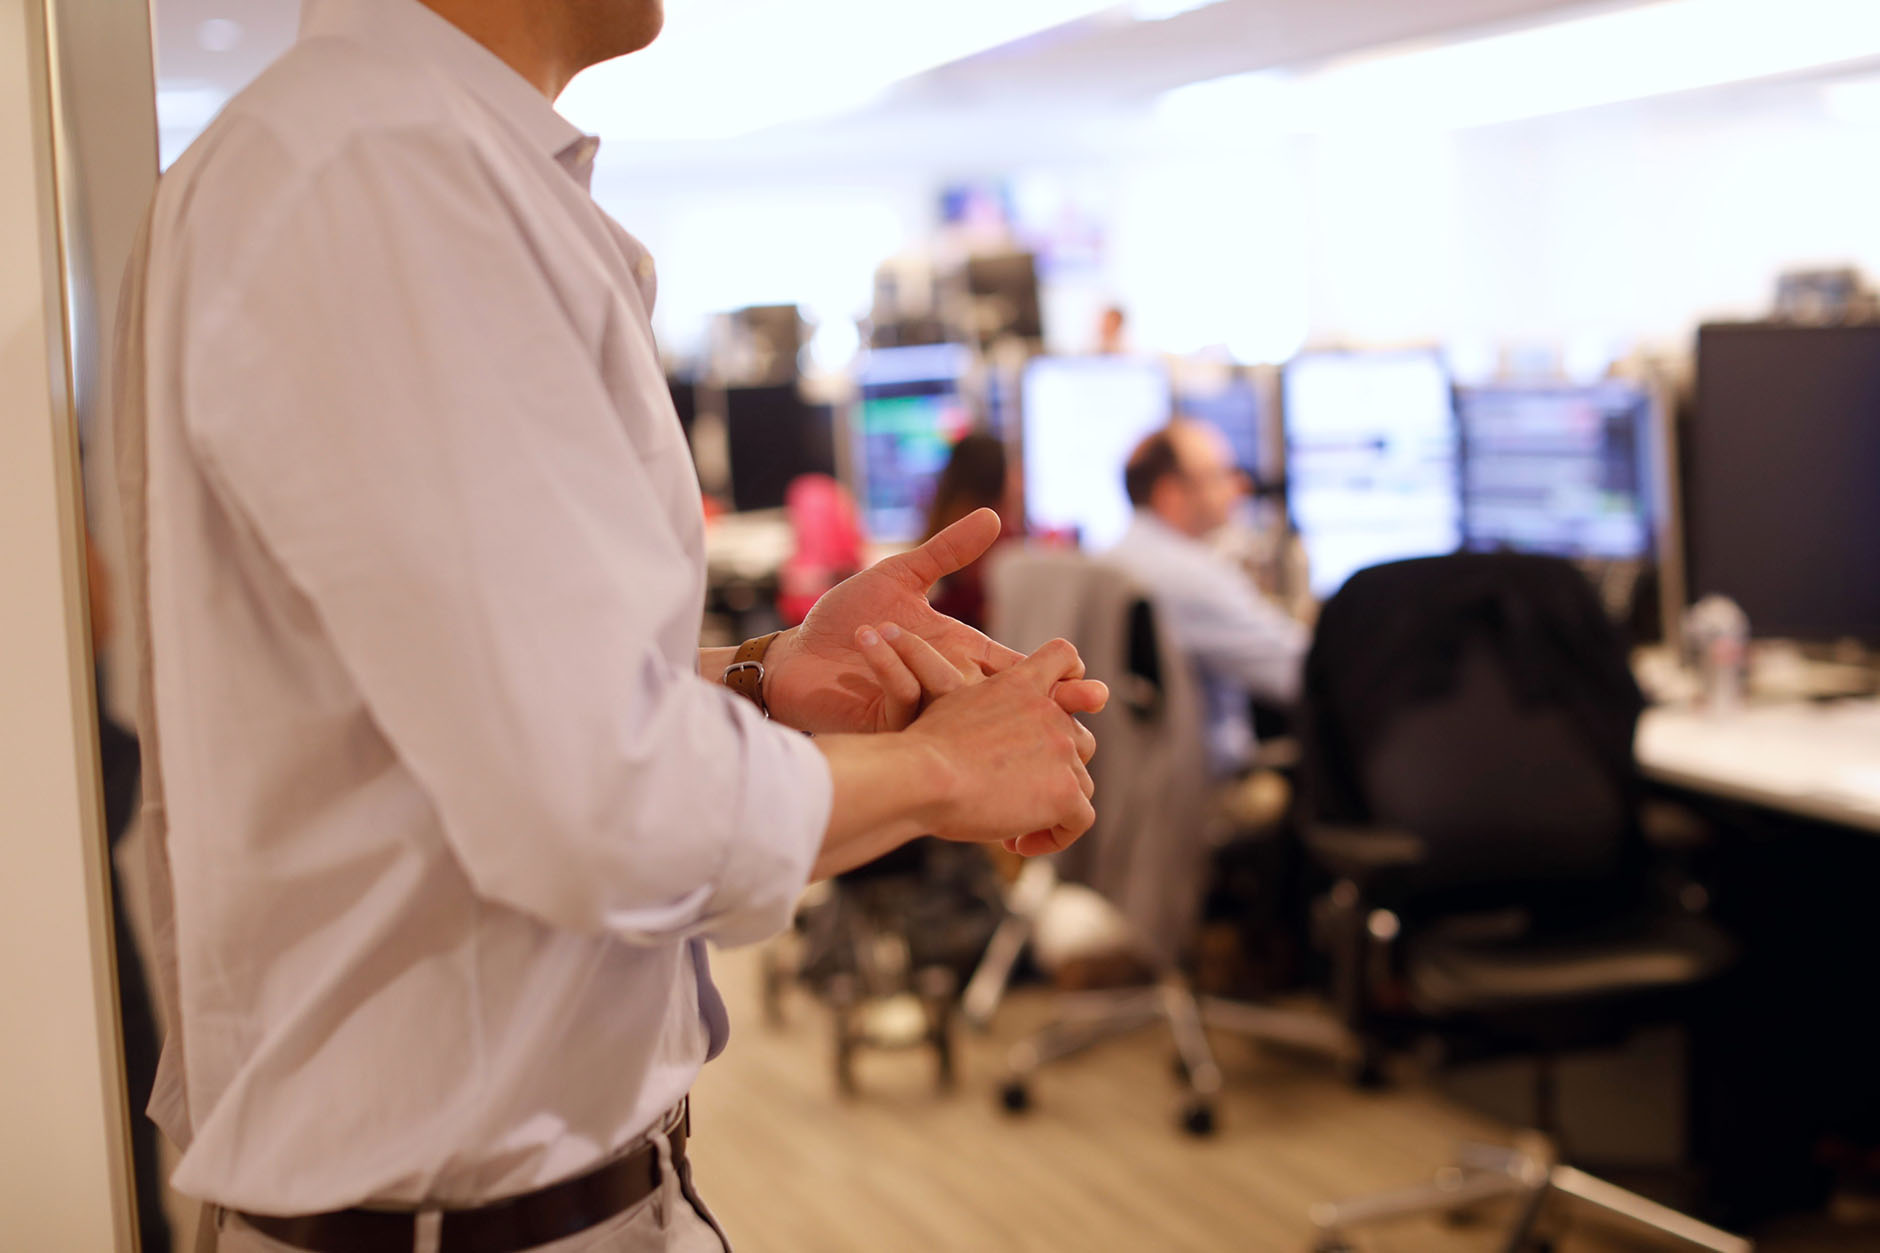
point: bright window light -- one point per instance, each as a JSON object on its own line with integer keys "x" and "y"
{"x": 1631, "y": 54}
{"x": 731, "y": 67}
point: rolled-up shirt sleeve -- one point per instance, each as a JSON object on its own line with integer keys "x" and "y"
{"x": 391, "y": 393}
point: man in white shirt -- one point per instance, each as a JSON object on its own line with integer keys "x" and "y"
{"x": 1184, "y": 485}
{"x": 444, "y": 799}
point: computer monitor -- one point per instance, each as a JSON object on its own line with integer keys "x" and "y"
{"x": 774, "y": 435}
{"x": 1560, "y": 470}
{"x": 1231, "y": 400}
{"x": 1371, "y": 460}
{"x": 909, "y": 413}
{"x": 1002, "y": 289}
{"x": 1782, "y": 484}
{"x": 1082, "y": 417}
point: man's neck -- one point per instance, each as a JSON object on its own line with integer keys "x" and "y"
{"x": 516, "y": 33}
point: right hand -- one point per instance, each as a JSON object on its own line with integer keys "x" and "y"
{"x": 1015, "y": 758}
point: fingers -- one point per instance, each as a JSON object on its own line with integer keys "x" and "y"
{"x": 1086, "y": 742}
{"x": 1051, "y": 665}
{"x": 937, "y": 676}
{"x": 900, "y": 686}
{"x": 1081, "y": 696}
{"x": 1084, "y": 781}
{"x": 998, "y": 658}
{"x": 955, "y": 548}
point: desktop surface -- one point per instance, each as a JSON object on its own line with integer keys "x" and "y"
{"x": 1371, "y": 460}
{"x": 1817, "y": 760}
{"x": 1557, "y": 470}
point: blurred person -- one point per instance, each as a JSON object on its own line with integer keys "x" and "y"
{"x": 1113, "y": 331}
{"x": 119, "y": 765}
{"x": 444, "y": 801}
{"x": 1184, "y": 486}
{"x": 976, "y": 477}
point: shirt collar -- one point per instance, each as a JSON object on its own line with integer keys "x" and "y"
{"x": 417, "y": 30}
{"x": 1148, "y": 524}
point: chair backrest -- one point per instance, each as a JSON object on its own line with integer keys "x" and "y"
{"x": 1148, "y": 852}
{"x": 1482, "y": 702}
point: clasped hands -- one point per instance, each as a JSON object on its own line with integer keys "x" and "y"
{"x": 874, "y": 656}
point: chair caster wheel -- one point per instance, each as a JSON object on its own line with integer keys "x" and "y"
{"x": 1015, "y": 1096}
{"x": 1198, "y": 1119}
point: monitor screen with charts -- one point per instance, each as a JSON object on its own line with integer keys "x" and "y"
{"x": 1083, "y": 416}
{"x": 1371, "y": 460}
{"x": 909, "y": 414}
{"x": 1559, "y": 470}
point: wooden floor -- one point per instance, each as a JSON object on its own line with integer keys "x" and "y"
{"x": 1098, "y": 1165}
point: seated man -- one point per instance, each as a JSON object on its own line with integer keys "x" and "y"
{"x": 1184, "y": 485}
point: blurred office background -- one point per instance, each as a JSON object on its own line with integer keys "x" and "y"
{"x": 1437, "y": 273}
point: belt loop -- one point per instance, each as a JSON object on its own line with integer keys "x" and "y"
{"x": 666, "y": 1195}
{"x": 428, "y": 1231}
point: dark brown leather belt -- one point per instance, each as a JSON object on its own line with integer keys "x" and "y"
{"x": 509, "y": 1226}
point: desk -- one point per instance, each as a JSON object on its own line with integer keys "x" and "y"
{"x": 1819, "y": 761}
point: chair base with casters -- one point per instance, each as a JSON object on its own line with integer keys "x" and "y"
{"x": 1529, "y": 1176}
{"x": 1087, "y": 1019}
{"x": 1533, "y": 993}
{"x": 883, "y": 949}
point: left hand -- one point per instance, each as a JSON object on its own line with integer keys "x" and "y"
{"x": 834, "y": 675}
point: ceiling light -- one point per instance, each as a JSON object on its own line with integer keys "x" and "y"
{"x": 188, "y": 105}
{"x": 1631, "y": 54}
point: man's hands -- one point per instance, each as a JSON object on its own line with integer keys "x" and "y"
{"x": 836, "y": 673}
{"x": 1014, "y": 759}
{"x": 990, "y": 750}
{"x": 988, "y": 758}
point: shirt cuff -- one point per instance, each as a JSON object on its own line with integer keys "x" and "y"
{"x": 787, "y": 798}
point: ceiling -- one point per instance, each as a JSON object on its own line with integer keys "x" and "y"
{"x": 1095, "y": 63}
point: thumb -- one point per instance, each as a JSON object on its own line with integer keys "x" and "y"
{"x": 953, "y": 549}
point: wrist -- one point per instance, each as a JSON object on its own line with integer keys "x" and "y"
{"x": 780, "y": 651}
{"x": 933, "y": 780}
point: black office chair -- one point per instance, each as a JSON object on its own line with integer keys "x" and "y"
{"x": 1469, "y": 786}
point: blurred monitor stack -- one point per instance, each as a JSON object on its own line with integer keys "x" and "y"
{"x": 910, "y": 410}
{"x": 1082, "y": 418}
{"x": 1372, "y": 460}
{"x": 1560, "y": 470}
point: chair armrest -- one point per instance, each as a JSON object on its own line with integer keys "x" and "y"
{"x": 1364, "y": 855}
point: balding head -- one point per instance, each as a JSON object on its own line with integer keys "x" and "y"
{"x": 1185, "y": 475}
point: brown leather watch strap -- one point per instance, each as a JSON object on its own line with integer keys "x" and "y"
{"x": 745, "y": 674}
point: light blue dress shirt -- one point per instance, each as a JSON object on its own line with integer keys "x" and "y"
{"x": 1241, "y": 644}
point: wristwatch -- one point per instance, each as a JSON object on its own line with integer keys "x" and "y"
{"x": 745, "y": 674}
